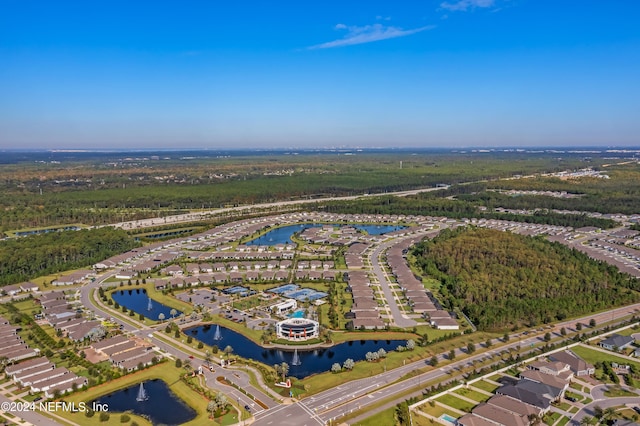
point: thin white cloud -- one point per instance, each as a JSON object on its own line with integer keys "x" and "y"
{"x": 464, "y": 5}
{"x": 368, "y": 34}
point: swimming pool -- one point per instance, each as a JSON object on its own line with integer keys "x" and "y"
{"x": 297, "y": 314}
{"x": 448, "y": 418}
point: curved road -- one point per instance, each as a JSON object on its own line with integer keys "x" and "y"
{"x": 600, "y": 400}
{"x": 238, "y": 378}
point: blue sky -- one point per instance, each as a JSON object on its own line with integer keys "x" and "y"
{"x": 258, "y": 74}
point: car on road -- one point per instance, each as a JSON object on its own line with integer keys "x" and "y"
{"x": 246, "y": 407}
{"x": 190, "y": 356}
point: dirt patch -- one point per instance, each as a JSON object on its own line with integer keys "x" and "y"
{"x": 95, "y": 357}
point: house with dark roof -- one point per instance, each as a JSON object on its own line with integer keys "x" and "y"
{"x": 555, "y": 382}
{"x": 532, "y": 393}
{"x": 616, "y": 342}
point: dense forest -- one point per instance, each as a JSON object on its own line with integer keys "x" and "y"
{"x": 503, "y": 280}
{"x": 618, "y": 194}
{"x": 95, "y": 191}
{"x": 431, "y": 205}
{"x": 24, "y": 258}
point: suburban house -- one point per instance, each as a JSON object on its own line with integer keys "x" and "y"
{"x": 575, "y": 363}
{"x": 616, "y": 342}
{"x": 12, "y": 290}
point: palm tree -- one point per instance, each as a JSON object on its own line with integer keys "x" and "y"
{"x": 277, "y": 368}
{"x": 284, "y": 369}
{"x": 161, "y": 317}
{"x": 228, "y": 350}
{"x": 207, "y": 358}
{"x": 173, "y": 313}
{"x": 608, "y": 412}
{"x": 598, "y": 412}
{"x": 587, "y": 421}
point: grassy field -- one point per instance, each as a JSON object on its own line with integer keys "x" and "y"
{"x": 485, "y": 386}
{"x": 168, "y": 299}
{"x": 594, "y": 356}
{"x": 575, "y": 396}
{"x": 471, "y": 394}
{"x": 551, "y": 418}
{"x": 250, "y": 302}
{"x": 616, "y": 392}
{"x": 629, "y": 331}
{"x": 579, "y": 387}
{"x": 384, "y": 418}
{"x": 457, "y": 403}
{"x": 387, "y": 418}
{"x": 437, "y": 410}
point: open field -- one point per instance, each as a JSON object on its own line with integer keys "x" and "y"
{"x": 593, "y": 356}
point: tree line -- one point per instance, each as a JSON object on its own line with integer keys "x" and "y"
{"x": 25, "y": 258}
{"x": 503, "y": 280}
{"x": 97, "y": 191}
{"x": 456, "y": 209}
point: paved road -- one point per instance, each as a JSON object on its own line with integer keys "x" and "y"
{"x": 341, "y": 400}
{"x": 600, "y": 400}
{"x": 197, "y": 216}
{"x": 32, "y": 417}
{"x": 239, "y": 378}
{"x": 345, "y": 398}
{"x": 399, "y": 318}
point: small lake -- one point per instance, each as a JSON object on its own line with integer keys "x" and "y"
{"x": 312, "y": 361}
{"x": 162, "y": 406}
{"x": 136, "y": 299}
{"x": 283, "y": 234}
